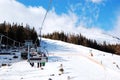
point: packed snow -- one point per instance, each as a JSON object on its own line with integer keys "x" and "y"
{"x": 78, "y": 62}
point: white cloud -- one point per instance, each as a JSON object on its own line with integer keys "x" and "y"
{"x": 13, "y": 11}
{"x": 97, "y": 1}
{"x": 116, "y": 30}
{"x": 87, "y": 12}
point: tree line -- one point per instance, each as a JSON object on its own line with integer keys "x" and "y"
{"x": 17, "y": 32}
{"x": 20, "y": 33}
{"x": 81, "y": 40}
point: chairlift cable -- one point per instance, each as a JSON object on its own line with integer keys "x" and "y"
{"x": 46, "y": 14}
{"x": 44, "y": 19}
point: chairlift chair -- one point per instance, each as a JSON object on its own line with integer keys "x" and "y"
{"x": 36, "y": 57}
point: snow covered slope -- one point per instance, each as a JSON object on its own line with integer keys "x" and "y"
{"x": 79, "y": 63}
{"x": 99, "y": 35}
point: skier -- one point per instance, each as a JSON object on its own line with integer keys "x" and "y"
{"x": 61, "y": 70}
{"x": 32, "y": 64}
{"x": 39, "y": 64}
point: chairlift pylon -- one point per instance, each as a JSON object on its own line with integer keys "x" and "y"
{"x": 41, "y": 55}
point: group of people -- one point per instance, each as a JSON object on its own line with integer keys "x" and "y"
{"x": 40, "y": 59}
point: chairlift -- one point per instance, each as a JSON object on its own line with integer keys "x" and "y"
{"x": 39, "y": 56}
{"x": 35, "y": 56}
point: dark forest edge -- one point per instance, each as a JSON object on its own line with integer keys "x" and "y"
{"x": 18, "y": 32}
{"x": 81, "y": 40}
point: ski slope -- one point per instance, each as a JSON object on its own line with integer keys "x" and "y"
{"x": 77, "y": 61}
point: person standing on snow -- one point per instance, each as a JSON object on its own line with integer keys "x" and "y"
{"x": 61, "y": 70}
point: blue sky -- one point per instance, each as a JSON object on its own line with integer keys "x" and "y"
{"x": 98, "y": 13}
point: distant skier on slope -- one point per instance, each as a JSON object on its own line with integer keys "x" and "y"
{"x": 61, "y": 70}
